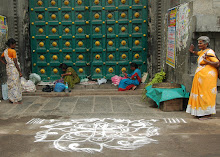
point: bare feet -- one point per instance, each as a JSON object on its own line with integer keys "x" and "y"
{"x": 133, "y": 88}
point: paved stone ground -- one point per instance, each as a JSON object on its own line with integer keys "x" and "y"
{"x": 179, "y": 134}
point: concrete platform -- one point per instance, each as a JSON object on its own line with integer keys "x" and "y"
{"x": 82, "y": 90}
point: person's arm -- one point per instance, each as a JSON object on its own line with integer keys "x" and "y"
{"x": 2, "y": 60}
{"x": 214, "y": 64}
{"x": 191, "y": 49}
{"x": 66, "y": 74}
{"x": 16, "y": 65}
{"x": 211, "y": 59}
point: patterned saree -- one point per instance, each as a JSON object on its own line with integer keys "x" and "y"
{"x": 127, "y": 84}
{"x": 71, "y": 79}
{"x": 13, "y": 81}
{"x": 202, "y": 99}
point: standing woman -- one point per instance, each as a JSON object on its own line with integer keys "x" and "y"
{"x": 13, "y": 72}
{"x": 202, "y": 99}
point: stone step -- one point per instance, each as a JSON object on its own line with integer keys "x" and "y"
{"x": 96, "y": 86}
{"x": 84, "y": 92}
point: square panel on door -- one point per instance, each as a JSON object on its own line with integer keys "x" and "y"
{"x": 123, "y": 2}
{"x": 40, "y": 30}
{"x": 39, "y": 4}
{"x": 123, "y": 44}
{"x": 79, "y": 3}
{"x": 111, "y": 43}
{"x": 110, "y": 56}
{"x": 137, "y": 42}
{"x": 67, "y": 30}
{"x": 111, "y": 30}
{"x": 53, "y": 3}
{"x": 42, "y": 58}
{"x": 55, "y": 72}
{"x": 110, "y": 3}
{"x": 67, "y": 57}
{"x": 42, "y": 70}
{"x": 123, "y": 15}
{"x": 55, "y": 57}
{"x": 97, "y": 15}
{"x": 67, "y": 44}
{"x": 123, "y": 29}
{"x": 53, "y": 16}
{"x": 96, "y": 3}
{"x": 97, "y": 43}
{"x": 97, "y": 29}
{"x": 110, "y": 71}
{"x": 54, "y": 44}
{"x": 124, "y": 56}
{"x": 80, "y": 30}
{"x": 111, "y": 16}
{"x": 97, "y": 57}
{"x": 124, "y": 68}
{"x": 80, "y": 43}
{"x": 53, "y": 30}
{"x": 137, "y": 28}
{"x": 40, "y": 16}
{"x": 79, "y": 16}
{"x": 137, "y": 2}
{"x": 41, "y": 44}
{"x": 81, "y": 71}
{"x": 81, "y": 56}
{"x": 136, "y": 56}
{"x": 66, "y": 3}
{"x": 97, "y": 71}
{"x": 137, "y": 14}
{"x": 66, "y": 16}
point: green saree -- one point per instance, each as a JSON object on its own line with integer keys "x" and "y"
{"x": 71, "y": 79}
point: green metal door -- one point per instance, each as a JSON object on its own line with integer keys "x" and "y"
{"x": 98, "y": 38}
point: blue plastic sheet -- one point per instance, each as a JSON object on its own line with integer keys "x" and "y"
{"x": 163, "y": 94}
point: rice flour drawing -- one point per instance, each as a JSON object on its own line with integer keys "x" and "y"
{"x": 92, "y": 135}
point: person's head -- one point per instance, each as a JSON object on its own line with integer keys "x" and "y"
{"x": 63, "y": 66}
{"x": 133, "y": 66}
{"x": 11, "y": 43}
{"x": 203, "y": 42}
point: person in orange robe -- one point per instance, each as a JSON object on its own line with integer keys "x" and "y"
{"x": 202, "y": 101}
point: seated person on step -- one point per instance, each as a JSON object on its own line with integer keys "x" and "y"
{"x": 70, "y": 76}
{"x": 132, "y": 81}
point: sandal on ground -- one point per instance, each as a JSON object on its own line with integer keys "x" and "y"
{"x": 203, "y": 118}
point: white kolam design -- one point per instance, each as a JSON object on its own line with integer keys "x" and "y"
{"x": 92, "y": 135}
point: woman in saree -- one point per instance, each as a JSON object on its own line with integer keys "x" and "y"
{"x": 70, "y": 76}
{"x": 13, "y": 72}
{"x": 132, "y": 81}
{"x": 202, "y": 101}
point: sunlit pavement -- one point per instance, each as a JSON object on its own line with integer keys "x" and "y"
{"x": 103, "y": 126}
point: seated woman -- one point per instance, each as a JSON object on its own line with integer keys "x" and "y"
{"x": 70, "y": 76}
{"x": 132, "y": 81}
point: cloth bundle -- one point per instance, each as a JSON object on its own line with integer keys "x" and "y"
{"x": 101, "y": 81}
{"x": 27, "y": 85}
{"x": 35, "y": 78}
{"x": 116, "y": 79}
